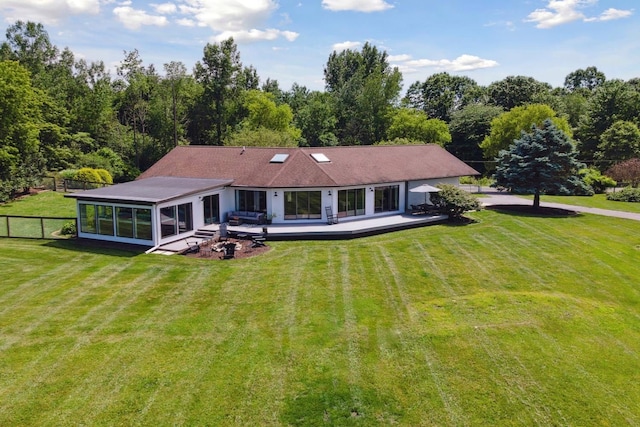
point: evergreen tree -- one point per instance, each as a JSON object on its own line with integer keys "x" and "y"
{"x": 541, "y": 162}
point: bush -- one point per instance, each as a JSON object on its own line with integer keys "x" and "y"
{"x": 598, "y": 182}
{"x": 68, "y": 174}
{"x": 628, "y": 194}
{"x": 454, "y": 201}
{"x": 105, "y": 176}
{"x": 88, "y": 175}
{"x": 69, "y": 229}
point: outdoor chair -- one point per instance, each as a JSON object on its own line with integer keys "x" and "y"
{"x": 331, "y": 218}
{"x": 228, "y": 250}
{"x": 193, "y": 247}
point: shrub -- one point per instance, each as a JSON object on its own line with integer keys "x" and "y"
{"x": 105, "y": 176}
{"x": 88, "y": 175}
{"x": 454, "y": 201}
{"x": 68, "y": 229}
{"x": 68, "y": 174}
{"x": 627, "y": 194}
{"x": 598, "y": 182}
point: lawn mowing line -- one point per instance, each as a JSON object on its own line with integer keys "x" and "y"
{"x": 87, "y": 338}
{"x": 520, "y": 265}
{"x": 601, "y": 386}
{"x": 68, "y": 299}
{"x": 399, "y": 308}
{"x": 435, "y": 269}
{"x": 455, "y": 413}
{"x": 26, "y": 290}
{"x": 397, "y": 283}
{"x": 511, "y": 380}
{"x": 351, "y": 331}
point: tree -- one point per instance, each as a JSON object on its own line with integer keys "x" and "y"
{"x": 540, "y": 162}
{"x": 264, "y": 113}
{"x": 469, "y": 127}
{"x": 620, "y": 142}
{"x": 442, "y": 94}
{"x": 20, "y": 121}
{"x": 612, "y": 101}
{"x": 454, "y": 201}
{"x": 221, "y": 75}
{"x": 416, "y": 125}
{"x": 584, "y": 80}
{"x": 316, "y": 120}
{"x": 627, "y": 171}
{"x": 514, "y": 91}
{"x": 508, "y": 126}
{"x": 364, "y": 88}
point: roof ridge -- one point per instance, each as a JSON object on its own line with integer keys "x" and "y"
{"x": 297, "y": 152}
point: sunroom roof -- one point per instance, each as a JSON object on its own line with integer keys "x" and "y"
{"x": 152, "y": 190}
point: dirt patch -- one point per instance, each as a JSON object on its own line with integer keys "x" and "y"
{"x": 530, "y": 211}
{"x": 244, "y": 249}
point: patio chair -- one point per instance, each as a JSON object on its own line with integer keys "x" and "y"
{"x": 331, "y": 218}
{"x": 229, "y": 250}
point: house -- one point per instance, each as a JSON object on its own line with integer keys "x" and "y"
{"x": 193, "y": 186}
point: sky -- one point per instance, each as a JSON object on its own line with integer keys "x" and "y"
{"x": 290, "y": 40}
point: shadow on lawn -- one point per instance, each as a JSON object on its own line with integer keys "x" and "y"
{"x": 529, "y": 211}
{"x": 98, "y": 247}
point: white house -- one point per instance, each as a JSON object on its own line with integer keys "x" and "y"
{"x": 193, "y": 186}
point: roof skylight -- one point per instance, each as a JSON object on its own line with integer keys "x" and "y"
{"x": 320, "y": 157}
{"x": 279, "y": 158}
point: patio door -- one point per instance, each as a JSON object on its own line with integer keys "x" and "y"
{"x": 211, "y": 206}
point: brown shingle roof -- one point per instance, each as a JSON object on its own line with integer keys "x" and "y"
{"x": 353, "y": 165}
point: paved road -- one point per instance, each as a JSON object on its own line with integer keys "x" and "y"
{"x": 495, "y": 198}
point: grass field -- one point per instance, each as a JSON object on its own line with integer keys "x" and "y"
{"x": 514, "y": 320}
{"x": 596, "y": 201}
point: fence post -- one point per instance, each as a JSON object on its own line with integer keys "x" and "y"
{"x": 55, "y": 184}
{"x": 42, "y": 227}
{"x": 8, "y": 228}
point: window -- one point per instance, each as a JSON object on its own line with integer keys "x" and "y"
{"x": 143, "y": 228}
{"x": 185, "y": 218}
{"x": 124, "y": 224}
{"x": 302, "y": 205}
{"x": 127, "y": 222}
{"x": 88, "y": 219}
{"x": 387, "y": 198}
{"x": 351, "y": 202}
{"x": 105, "y": 219}
{"x": 251, "y": 201}
{"x": 211, "y": 206}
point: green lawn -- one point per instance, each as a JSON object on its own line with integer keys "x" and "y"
{"x": 514, "y": 320}
{"x": 596, "y": 201}
{"x": 47, "y": 204}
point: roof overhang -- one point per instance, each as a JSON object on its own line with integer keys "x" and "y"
{"x": 152, "y": 190}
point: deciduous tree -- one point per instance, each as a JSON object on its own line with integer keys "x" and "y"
{"x": 508, "y": 126}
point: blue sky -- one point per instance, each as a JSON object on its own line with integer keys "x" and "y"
{"x": 291, "y": 40}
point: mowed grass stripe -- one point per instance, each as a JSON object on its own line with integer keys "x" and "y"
{"x": 433, "y": 326}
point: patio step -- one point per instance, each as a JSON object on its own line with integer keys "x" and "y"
{"x": 202, "y": 233}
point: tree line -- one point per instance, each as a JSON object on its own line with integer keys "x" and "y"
{"x": 58, "y": 112}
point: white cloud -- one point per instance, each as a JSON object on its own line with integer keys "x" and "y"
{"x": 462, "y": 63}
{"x": 255, "y": 35}
{"x": 48, "y": 12}
{"x": 356, "y": 5}
{"x": 399, "y": 58}
{"x": 611, "y": 14}
{"x": 133, "y": 19}
{"x": 164, "y": 8}
{"x": 339, "y": 47}
{"x": 239, "y": 19}
{"x": 560, "y": 12}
